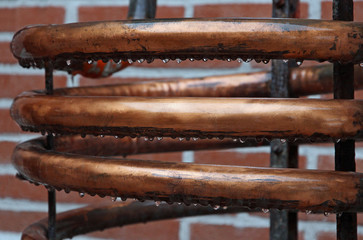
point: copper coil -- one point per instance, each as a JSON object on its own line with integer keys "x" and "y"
{"x": 207, "y": 39}
{"x": 100, "y": 217}
{"x": 294, "y": 189}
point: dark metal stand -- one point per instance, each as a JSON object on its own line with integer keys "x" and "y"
{"x": 51, "y": 191}
{"x": 283, "y": 224}
{"x": 344, "y": 150}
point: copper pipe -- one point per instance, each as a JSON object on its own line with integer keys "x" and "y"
{"x": 205, "y": 38}
{"x": 295, "y": 189}
{"x": 102, "y": 216}
{"x": 188, "y": 117}
{"x": 304, "y": 81}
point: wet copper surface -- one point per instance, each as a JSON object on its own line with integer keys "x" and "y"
{"x": 188, "y": 117}
{"x": 205, "y": 38}
{"x": 118, "y": 214}
{"x": 304, "y": 81}
{"x": 191, "y": 183}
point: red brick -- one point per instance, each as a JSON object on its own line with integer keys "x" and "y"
{"x": 6, "y": 149}
{"x": 238, "y": 159}
{"x": 119, "y": 13}
{"x": 327, "y": 9}
{"x": 330, "y": 236}
{"x": 13, "y": 19}
{"x": 18, "y": 221}
{"x": 13, "y": 85}
{"x": 327, "y": 163}
{"x": 217, "y": 232}
{"x": 7, "y": 124}
{"x": 5, "y": 54}
{"x": 15, "y": 188}
{"x": 240, "y": 10}
{"x": 160, "y": 230}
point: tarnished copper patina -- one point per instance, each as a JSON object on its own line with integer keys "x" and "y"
{"x": 189, "y": 117}
{"x": 191, "y": 183}
{"x": 118, "y": 214}
{"x": 171, "y": 39}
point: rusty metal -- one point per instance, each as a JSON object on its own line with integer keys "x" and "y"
{"x": 118, "y": 214}
{"x": 318, "y": 191}
{"x": 207, "y": 39}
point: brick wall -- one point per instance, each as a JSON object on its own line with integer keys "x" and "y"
{"x": 22, "y": 203}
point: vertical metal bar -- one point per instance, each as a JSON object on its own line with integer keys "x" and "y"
{"x": 283, "y": 224}
{"x": 51, "y": 191}
{"x": 141, "y": 9}
{"x": 344, "y": 150}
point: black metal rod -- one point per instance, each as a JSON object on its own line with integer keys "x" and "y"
{"x": 141, "y": 9}
{"x": 50, "y": 140}
{"x": 49, "y": 77}
{"x": 283, "y": 224}
{"x": 51, "y": 214}
{"x": 344, "y": 150}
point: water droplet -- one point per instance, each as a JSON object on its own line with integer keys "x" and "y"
{"x": 195, "y": 138}
{"x": 165, "y": 60}
{"x": 81, "y": 194}
{"x": 248, "y": 60}
{"x": 265, "y": 61}
{"x": 205, "y": 59}
{"x": 265, "y": 210}
{"x": 225, "y": 208}
{"x": 151, "y": 139}
{"x": 242, "y": 140}
{"x": 90, "y": 61}
{"x": 361, "y": 64}
{"x": 141, "y": 60}
{"x": 157, "y": 203}
{"x": 68, "y": 62}
{"x": 326, "y": 214}
{"x": 191, "y": 59}
{"x": 299, "y": 62}
{"x": 228, "y": 59}
{"x": 216, "y": 207}
{"x": 285, "y": 60}
{"x": 178, "y": 60}
{"x": 130, "y": 60}
{"x": 113, "y": 199}
{"x": 239, "y": 60}
{"x": 283, "y": 140}
{"x": 160, "y": 138}
{"x": 181, "y": 139}
{"x": 308, "y": 212}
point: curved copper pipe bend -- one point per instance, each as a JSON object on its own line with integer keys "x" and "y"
{"x": 296, "y": 189}
{"x": 227, "y": 39}
{"x": 100, "y": 217}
